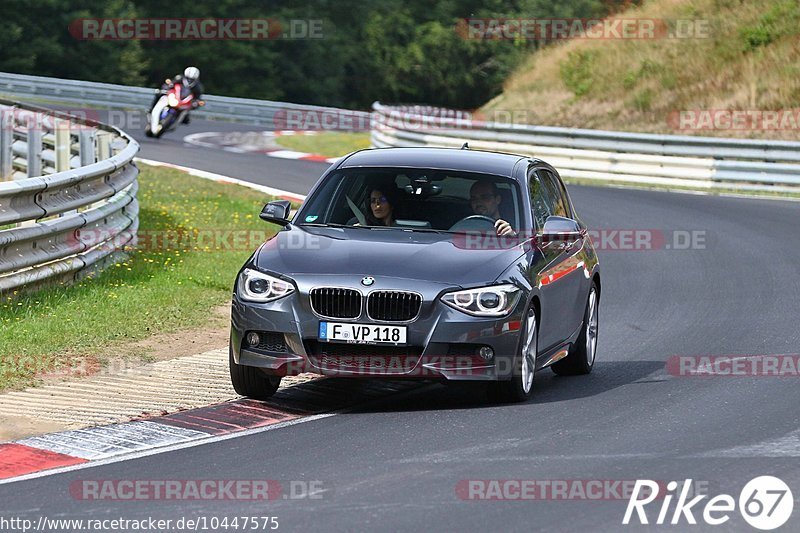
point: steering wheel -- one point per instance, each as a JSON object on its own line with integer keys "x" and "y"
{"x": 473, "y": 222}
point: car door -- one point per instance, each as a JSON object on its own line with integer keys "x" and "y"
{"x": 568, "y": 274}
{"x": 551, "y": 330}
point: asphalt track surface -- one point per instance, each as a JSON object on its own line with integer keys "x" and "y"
{"x": 395, "y": 464}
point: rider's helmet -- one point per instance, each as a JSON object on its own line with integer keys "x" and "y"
{"x": 191, "y": 75}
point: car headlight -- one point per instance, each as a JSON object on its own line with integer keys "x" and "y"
{"x": 497, "y": 300}
{"x": 255, "y": 286}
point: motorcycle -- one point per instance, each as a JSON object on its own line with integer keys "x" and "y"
{"x": 171, "y": 109}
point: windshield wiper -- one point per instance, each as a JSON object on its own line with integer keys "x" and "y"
{"x": 335, "y": 225}
{"x": 424, "y": 230}
{"x": 404, "y": 228}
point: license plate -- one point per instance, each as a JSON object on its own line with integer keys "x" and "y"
{"x": 361, "y": 333}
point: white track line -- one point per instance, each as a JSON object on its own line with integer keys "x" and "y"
{"x": 219, "y": 178}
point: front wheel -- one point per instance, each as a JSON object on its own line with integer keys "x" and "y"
{"x": 520, "y": 387}
{"x": 250, "y": 381}
{"x": 580, "y": 359}
{"x": 163, "y": 129}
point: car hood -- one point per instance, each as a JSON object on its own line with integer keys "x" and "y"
{"x": 431, "y": 257}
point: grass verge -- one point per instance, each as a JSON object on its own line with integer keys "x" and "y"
{"x": 722, "y": 55}
{"x": 330, "y": 144}
{"x": 194, "y": 236}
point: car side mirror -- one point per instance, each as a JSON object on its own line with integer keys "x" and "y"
{"x": 560, "y": 229}
{"x": 277, "y": 212}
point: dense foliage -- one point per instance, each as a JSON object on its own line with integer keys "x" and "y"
{"x": 393, "y": 50}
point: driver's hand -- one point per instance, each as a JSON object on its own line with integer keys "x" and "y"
{"x": 503, "y": 228}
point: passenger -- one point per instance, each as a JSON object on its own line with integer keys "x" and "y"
{"x": 485, "y": 199}
{"x": 382, "y": 207}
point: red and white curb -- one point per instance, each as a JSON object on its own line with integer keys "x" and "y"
{"x": 255, "y": 142}
{"x": 82, "y": 448}
{"x": 69, "y": 448}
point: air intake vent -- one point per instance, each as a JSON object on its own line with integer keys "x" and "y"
{"x": 336, "y": 303}
{"x": 393, "y": 306}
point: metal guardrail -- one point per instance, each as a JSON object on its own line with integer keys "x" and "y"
{"x": 106, "y": 95}
{"x": 675, "y": 160}
{"x": 69, "y": 206}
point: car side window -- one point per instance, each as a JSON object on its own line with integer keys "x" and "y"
{"x": 567, "y": 204}
{"x": 556, "y": 194}
{"x": 541, "y": 206}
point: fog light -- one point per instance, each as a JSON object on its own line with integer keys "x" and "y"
{"x": 486, "y": 353}
{"x": 253, "y": 339}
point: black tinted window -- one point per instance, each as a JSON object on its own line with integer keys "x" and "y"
{"x": 555, "y": 193}
{"x": 541, "y": 204}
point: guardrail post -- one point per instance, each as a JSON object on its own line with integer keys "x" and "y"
{"x": 63, "y": 144}
{"x": 86, "y": 143}
{"x": 34, "y": 150}
{"x": 103, "y": 145}
{"x": 6, "y": 140}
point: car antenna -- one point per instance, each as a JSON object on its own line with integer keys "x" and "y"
{"x": 465, "y": 146}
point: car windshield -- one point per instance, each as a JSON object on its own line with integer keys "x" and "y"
{"x": 415, "y": 199}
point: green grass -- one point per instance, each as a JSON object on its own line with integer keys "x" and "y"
{"x": 162, "y": 287}
{"x": 330, "y": 144}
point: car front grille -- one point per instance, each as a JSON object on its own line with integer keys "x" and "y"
{"x": 393, "y": 306}
{"x": 333, "y": 302}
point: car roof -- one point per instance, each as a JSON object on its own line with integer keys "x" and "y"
{"x": 438, "y": 158}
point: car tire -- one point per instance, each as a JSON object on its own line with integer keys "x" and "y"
{"x": 251, "y": 381}
{"x": 580, "y": 359}
{"x": 520, "y": 387}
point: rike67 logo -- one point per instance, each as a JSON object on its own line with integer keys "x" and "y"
{"x": 765, "y": 503}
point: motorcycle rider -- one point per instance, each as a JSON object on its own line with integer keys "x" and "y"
{"x": 190, "y": 79}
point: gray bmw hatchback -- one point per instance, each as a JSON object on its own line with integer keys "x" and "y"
{"x": 428, "y": 263}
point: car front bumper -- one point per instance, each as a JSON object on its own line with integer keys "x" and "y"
{"x": 442, "y": 342}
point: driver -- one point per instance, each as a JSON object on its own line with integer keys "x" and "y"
{"x": 485, "y": 199}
